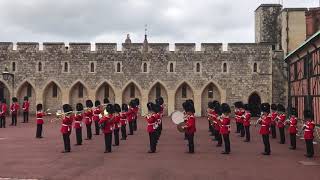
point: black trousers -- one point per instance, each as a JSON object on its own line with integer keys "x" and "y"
{"x": 226, "y": 140}
{"x": 131, "y": 128}
{"x": 39, "y": 131}
{"x": 89, "y": 131}
{"x": 266, "y": 143}
{"x": 96, "y": 124}
{"x": 135, "y": 126}
{"x": 25, "y": 117}
{"x": 66, "y": 142}
{"x": 238, "y": 127}
{"x": 108, "y": 141}
{"x": 219, "y": 138}
{"x": 116, "y": 136}
{"x": 242, "y": 131}
{"x": 273, "y": 131}
{"x": 190, "y": 142}
{"x": 309, "y": 146}
{"x": 293, "y": 140}
{"x": 79, "y": 135}
{"x": 247, "y": 132}
{"x": 153, "y": 141}
{"x": 123, "y": 132}
{"x": 14, "y": 119}
{"x": 3, "y": 122}
{"x": 282, "y": 136}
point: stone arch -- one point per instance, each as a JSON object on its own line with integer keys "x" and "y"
{"x": 152, "y": 95}
{"x": 27, "y": 89}
{"x": 210, "y": 92}
{"x": 180, "y": 97}
{"x": 4, "y": 92}
{"x": 52, "y": 96}
{"x": 75, "y": 95}
{"x": 127, "y": 94}
{"x": 255, "y": 100}
{"x": 105, "y": 90}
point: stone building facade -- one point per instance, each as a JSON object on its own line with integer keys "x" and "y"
{"x": 59, "y": 74}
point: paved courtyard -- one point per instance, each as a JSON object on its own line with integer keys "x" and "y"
{"x": 22, "y": 156}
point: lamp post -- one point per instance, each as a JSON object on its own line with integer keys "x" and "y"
{"x": 6, "y": 76}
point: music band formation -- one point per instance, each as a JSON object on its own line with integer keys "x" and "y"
{"x": 112, "y": 119}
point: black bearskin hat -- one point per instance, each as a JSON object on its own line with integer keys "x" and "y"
{"x": 265, "y": 107}
{"x": 89, "y": 104}
{"x": 110, "y": 109}
{"x": 106, "y": 101}
{"x": 274, "y": 107}
{"x": 156, "y": 108}
{"x": 39, "y": 107}
{"x": 137, "y": 101}
{"x": 14, "y": 99}
{"x": 131, "y": 103}
{"x": 159, "y": 100}
{"x": 294, "y": 111}
{"x": 124, "y": 107}
{"x": 308, "y": 114}
{"x": 190, "y": 101}
{"x": 79, "y": 107}
{"x": 66, "y": 108}
{"x": 210, "y": 105}
{"x": 97, "y": 103}
{"x": 280, "y": 108}
{"x": 189, "y": 107}
{"x": 238, "y": 104}
{"x": 150, "y": 106}
{"x": 184, "y": 104}
{"x": 247, "y": 107}
{"x": 225, "y": 108}
{"x": 217, "y": 107}
{"x": 26, "y": 98}
{"x": 117, "y": 108}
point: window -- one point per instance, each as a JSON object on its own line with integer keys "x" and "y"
{"x": 210, "y": 91}
{"x": 273, "y": 47}
{"x": 184, "y": 91}
{"x": 158, "y": 91}
{"x": 132, "y": 91}
{"x": 80, "y": 95}
{"x": 13, "y": 66}
{"x": 171, "y": 67}
{"x": 255, "y": 67}
{"x": 29, "y": 90}
{"x": 118, "y": 67}
{"x": 145, "y": 67}
{"x": 92, "y": 67}
{"x": 224, "y": 67}
{"x": 198, "y": 67}
{"x": 54, "y": 91}
{"x": 66, "y": 67}
{"x": 39, "y": 67}
{"x": 106, "y": 91}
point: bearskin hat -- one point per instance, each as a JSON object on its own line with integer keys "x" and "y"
{"x": 189, "y": 107}
{"x": 265, "y": 107}
{"x": 79, "y": 107}
{"x": 280, "y": 108}
{"x": 14, "y": 99}
{"x": 131, "y": 103}
{"x": 89, "y": 104}
{"x": 66, "y": 108}
{"x": 184, "y": 104}
{"x": 156, "y": 108}
{"x": 294, "y": 111}
{"x": 39, "y": 107}
{"x": 217, "y": 107}
{"x": 210, "y": 105}
{"x": 150, "y": 106}
{"x": 247, "y": 107}
{"x": 124, "y": 107}
{"x": 110, "y": 109}
{"x": 106, "y": 101}
{"x": 190, "y": 101}
{"x": 238, "y": 104}
{"x": 225, "y": 108}
{"x": 274, "y": 107}
{"x": 137, "y": 101}
{"x": 308, "y": 114}
{"x": 159, "y": 100}
{"x": 26, "y": 98}
{"x": 97, "y": 103}
{"x": 117, "y": 108}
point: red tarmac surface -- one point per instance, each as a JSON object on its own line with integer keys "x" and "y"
{"x": 24, "y": 156}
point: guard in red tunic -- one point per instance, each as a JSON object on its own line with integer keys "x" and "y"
{"x": 160, "y": 102}
{"x": 66, "y": 127}
{"x": 216, "y": 124}
{"x": 14, "y": 111}
{"x": 25, "y": 108}
{"x": 124, "y": 121}
{"x": 225, "y": 127}
{"x": 210, "y": 116}
{"x": 293, "y": 128}
{"x": 281, "y": 122}
{"x": 190, "y": 126}
{"x": 106, "y": 124}
{"x": 39, "y": 121}
{"x": 265, "y": 121}
{"x": 274, "y": 116}
{"x": 3, "y": 111}
{"x": 131, "y": 116}
{"x": 117, "y": 123}
{"x": 78, "y": 123}
{"x": 246, "y": 122}
{"x": 151, "y": 127}
{"x": 136, "y": 110}
{"x": 308, "y": 132}
{"x": 88, "y": 113}
{"x": 96, "y": 113}
{"x": 157, "y": 116}
{"x": 238, "y": 115}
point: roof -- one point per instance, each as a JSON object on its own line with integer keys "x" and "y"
{"x": 316, "y": 35}
{"x": 269, "y": 5}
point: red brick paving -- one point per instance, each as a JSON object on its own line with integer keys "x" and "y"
{"x": 24, "y": 156}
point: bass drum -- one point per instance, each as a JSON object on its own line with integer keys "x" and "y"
{"x": 177, "y": 117}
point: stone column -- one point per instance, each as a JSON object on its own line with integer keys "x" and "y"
{"x": 118, "y": 97}
{"x": 65, "y": 96}
{"x": 171, "y": 101}
{"x": 143, "y": 102}
{"x": 39, "y": 96}
{"x": 197, "y": 102}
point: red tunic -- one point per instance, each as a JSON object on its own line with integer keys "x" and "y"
{"x": 3, "y": 110}
{"x": 158, "y": 118}
{"x": 78, "y": 120}
{"x": 265, "y": 125}
{"x": 191, "y": 124}
{"x": 96, "y": 113}
{"x": 281, "y": 120}
{"x": 39, "y": 116}
{"x": 225, "y": 125}
{"x": 116, "y": 121}
{"x": 14, "y": 108}
{"x": 293, "y": 125}
{"x": 308, "y": 131}
{"x": 88, "y": 117}
{"x": 130, "y": 114}
{"x": 239, "y": 115}
{"x": 123, "y": 118}
{"x": 150, "y": 118}
{"x": 247, "y": 117}
{"x": 273, "y": 118}
{"x": 136, "y": 110}
{"x": 108, "y": 120}
{"x": 25, "y": 106}
{"x": 66, "y": 125}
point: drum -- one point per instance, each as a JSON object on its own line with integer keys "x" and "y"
{"x": 180, "y": 127}
{"x": 177, "y": 117}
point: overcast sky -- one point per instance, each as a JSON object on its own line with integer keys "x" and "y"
{"x": 110, "y": 20}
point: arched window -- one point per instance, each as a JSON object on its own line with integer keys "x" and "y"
{"x": 106, "y": 91}
{"x": 171, "y": 67}
{"x": 92, "y": 67}
{"x": 145, "y": 67}
{"x": 184, "y": 91}
{"x": 29, "y": 90}
{"x": 198, "y": 67}
{"x": 158, "y": 91}
{"x": 13, "y": 66}
{"x": 255, "y": 67}
{"x": 39, "y": 66}
{"x": 118, "y": 67}
{"x": 225, "y": 68}
{"x": 210, "y": 91}
{"x": 66, "y": 67}
{"x": 80, "y": 95}
{"x": 54, "y": 91}
{"x": 132, "y": 91}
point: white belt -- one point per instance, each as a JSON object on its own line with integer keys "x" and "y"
{"x": 307, "y": 130}
{"x": 65, "y": 125}
{"x": 292, "y": 125}
{"x": 263, "y": 125}
{"x": 77, "y": 122}
{"x": 39, "y": 118}
{"x": 226, "y": 125}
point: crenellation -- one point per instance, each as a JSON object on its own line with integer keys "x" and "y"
{"x": 185, "y": 47}
{"x": 54, "y": 46}
{"x": 106, "y": 47}
{"x": 132, "y": 47}
{"x": 28, "y": 46}
{"x": 158, "y": 47}
{"x": 6, "y": 46}
{"x": 211, "y": 47}
{"x": 83, "y": 47}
